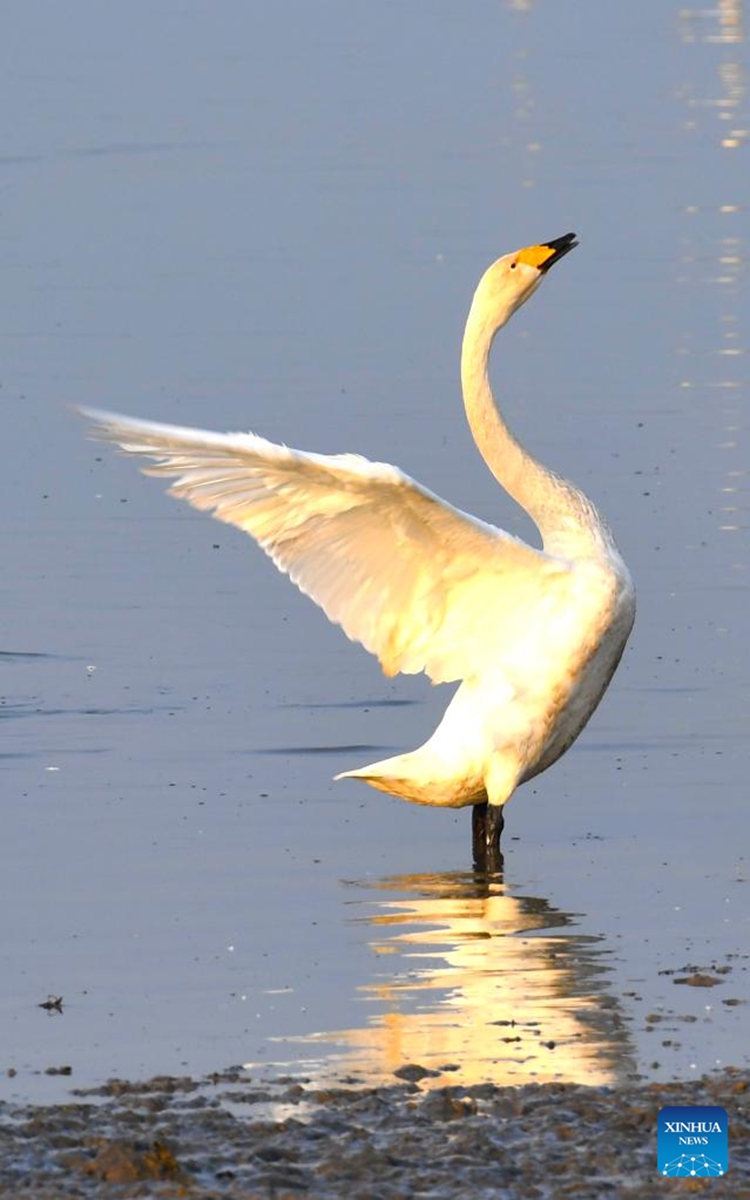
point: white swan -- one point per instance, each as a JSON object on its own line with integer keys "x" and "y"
{"x": 534, "y": 635}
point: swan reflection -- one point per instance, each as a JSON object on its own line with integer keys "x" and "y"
{"x": 477, "y": 983}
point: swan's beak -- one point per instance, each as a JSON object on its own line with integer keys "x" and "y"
{"x": 557, "y": 249}
{"x": 544, "y": 255}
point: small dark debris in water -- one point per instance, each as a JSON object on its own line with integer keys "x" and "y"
{"x": 58, "y": 1070}
{"x": 413, "y": 1072}
{"x": 732, "y": 1001}
{"x": 698, "y": 979}
{"x": 52, "y": 1004}
{"x": 549, "y": 1045}
{"x": 690, "y": 970}
{"x": 230, "y": 1075}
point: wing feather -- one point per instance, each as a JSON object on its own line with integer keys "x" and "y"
{"x": 419, "y": 583}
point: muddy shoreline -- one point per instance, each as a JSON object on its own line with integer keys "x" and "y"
{"x": 225, "y": 1136}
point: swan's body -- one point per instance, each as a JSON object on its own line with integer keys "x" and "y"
{"x": 534, "y": 635}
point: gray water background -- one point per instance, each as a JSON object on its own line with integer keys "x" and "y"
{"x": 273, "y": 217}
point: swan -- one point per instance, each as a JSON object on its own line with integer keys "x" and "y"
{"x": 534, "y": 636}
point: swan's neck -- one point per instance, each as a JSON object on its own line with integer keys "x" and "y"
{"x": 566, "y": 518}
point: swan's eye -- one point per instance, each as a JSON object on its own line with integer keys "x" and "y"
{"x": 513, "y": 266}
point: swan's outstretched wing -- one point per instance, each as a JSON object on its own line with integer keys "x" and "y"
{"x": 417, "y": 582}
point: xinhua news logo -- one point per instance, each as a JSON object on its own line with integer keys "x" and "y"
{"x": 693, "y": 1142}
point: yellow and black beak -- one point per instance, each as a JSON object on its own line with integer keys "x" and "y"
{"x": 544, "y": 255}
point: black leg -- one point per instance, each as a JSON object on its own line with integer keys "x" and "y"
{"x": 495, "y": 825}
{"x": 479, "y": 831}
{"x": 486, "y": 826}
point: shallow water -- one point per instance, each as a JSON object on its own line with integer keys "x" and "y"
{"x": 275, "y": 220}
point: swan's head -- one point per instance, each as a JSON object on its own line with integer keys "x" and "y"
{"x": 509, "y": 282}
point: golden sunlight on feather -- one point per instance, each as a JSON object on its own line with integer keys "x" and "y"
{"x": 533, "y": 635}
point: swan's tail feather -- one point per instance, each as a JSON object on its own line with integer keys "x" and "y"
{"x": 385, "y": 775}
{"x": 409, "y": 777}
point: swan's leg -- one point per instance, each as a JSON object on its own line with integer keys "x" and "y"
{"x": 479, "y": 829}
{"x": 494, "y": 825}
{"x": 487, "y": 823}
